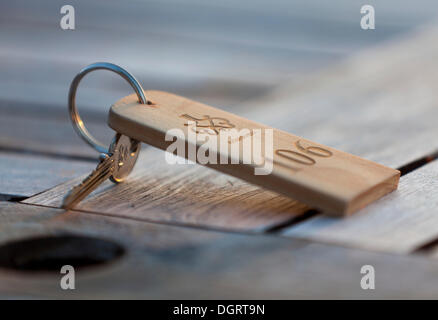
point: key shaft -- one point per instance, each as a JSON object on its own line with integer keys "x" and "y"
{"x": 102, "y": 172}
{"x": 116, "y": 164}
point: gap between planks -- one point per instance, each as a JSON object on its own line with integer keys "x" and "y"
{"x": 346, "y": 98}
{"x": 405, "y": 169}
{"x": 402, "y": 222}
{"x": 167, "y": 261}
{"x": 276, "y": 229}
{"x": 355, "y": 97}
{"x": 130, "y": 218}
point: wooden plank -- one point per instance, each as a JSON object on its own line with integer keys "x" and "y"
{"x": 39, "y": 149}
{"x": 25, "y": 175}
{"x": 404, "y": 221}
{"x": 289, "y": 165}
{"x": 401, "y": 222}
{"x": 380, "y": 104}
{"x": 220, "y": 54}
{"x": 169, "y": 262}
{"x": 48, "y": 84}
{"x": 345, "y": 108}
{"x": 36, "y": 132}
{"x": 192, "y": 29}
{"x": 178, "y": 194}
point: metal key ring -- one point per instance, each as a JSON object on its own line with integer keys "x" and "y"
{"x": 78, "y": 124}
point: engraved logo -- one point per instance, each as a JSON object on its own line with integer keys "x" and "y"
{"x": 233, "y": 146}
{"x": 208, "y": 125}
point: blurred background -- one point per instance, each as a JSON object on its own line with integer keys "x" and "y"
{"x": 219, "y": 52}
{"x": 377, "y": 99}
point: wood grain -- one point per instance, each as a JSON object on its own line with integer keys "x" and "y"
{"x": 400, "y": 222}
{"x": 220, "y": 54}
{"x": 50, "y": 136}
{"x": 25, "y": 175}
{"x": 379, "y": 105}
{"x": 312, "y": 173}
{"x": 39, "y": 149}
{"x": 182, "y": 194}
{"x": 169, "y": 262}
{"x": 344, "y": 107}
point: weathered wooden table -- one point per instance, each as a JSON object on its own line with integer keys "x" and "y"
{"x": 190, "y": 232}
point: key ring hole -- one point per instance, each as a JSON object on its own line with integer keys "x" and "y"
{"x": 75, "y": 118}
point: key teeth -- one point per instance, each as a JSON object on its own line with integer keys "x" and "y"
{"x": 108, "y": 167}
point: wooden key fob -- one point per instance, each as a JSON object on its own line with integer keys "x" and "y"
{"x": 319, "y": 176}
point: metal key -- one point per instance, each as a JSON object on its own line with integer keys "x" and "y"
{"x": 116, "y": 165}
